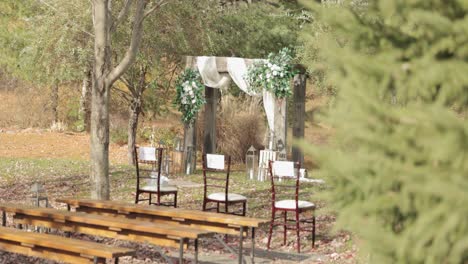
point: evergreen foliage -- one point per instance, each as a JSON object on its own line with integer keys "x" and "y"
{"x": 399, "y": 159}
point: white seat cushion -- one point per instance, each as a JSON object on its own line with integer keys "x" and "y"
{"x": 291, "y": 204}
{"x": 166, "y": 188}
{"x": 232, "y": 197}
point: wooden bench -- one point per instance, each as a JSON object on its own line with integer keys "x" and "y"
{"x": 58, "y": 248}
{"x": 120, "y": 228}
{"x": 215, "y": 222}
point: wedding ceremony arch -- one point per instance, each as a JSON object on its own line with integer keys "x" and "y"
{"x": 217, "y": 73}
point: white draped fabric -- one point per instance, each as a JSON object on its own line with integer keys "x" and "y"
{"x": 237, "y": 69}
{"x": 269, "y": 100}
{"x": 209, "y": 73}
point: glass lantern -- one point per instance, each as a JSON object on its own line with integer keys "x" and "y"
{"x": 271, "y": 140}
{"x": 251, "y": 162}
{"x": 178, "y": 144}
{"x": 39, "y": 194}
{"x": 167, "y": 162}
{"x": 178, "y": 166}
{"x": 189, "y": 163}
{"x": 152, "y": 139}
{"x": 283, "y": 155}
{"x": 280, "y": 145}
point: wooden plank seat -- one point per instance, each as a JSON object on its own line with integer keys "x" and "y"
{"x": 215, "y": 222}
{"x": 167, "y": 235}
{"x": 58, "y": 248}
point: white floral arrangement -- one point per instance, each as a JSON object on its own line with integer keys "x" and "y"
{"x": 273, "y": 74}
{"x": 190, "y": 97}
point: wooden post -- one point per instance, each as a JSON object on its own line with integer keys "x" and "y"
{"x": 209, "y": 137}
{"x": 299, "y": 83}
{"x": 190, "y": 141}
{"x": 281, "y": 124}
{"x": 190, "y": 134}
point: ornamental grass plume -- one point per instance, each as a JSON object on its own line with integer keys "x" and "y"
{"x": 399, "y": 162}
{"x": 240, "y": 123}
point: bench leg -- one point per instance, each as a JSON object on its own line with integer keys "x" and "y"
{"x": 313, "y": 232}
{"x": 181, "y": 251}
{"x": 241, "y": 241}
{"x": 95, "y": 261}
{"x": 3, "y": 218}
{"x": 252, "y": 253}
{"x": 196, "y": 251}
{"x": 116, "y": 261}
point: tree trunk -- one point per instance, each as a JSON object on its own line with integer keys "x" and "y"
{"x": 100, "y": 140}
{"x": 54, "y": 98}
{"x": 134, "y": 111}
{"x": 103, "y": 78}
{"x": 100, "y": 104}
{"x": 84, "y": 113}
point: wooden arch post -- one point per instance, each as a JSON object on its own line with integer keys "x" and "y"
{"x": 190, "y": 136}
{"x": 209, "y": 135}
{"x": 299, "y": 84}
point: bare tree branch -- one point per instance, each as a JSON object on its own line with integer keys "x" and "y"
{"x": 122, "y": 14}
{"x": 125, "y": 95}
{"x": 124, "y": 80}
{"x": 132, "y": 50}
{"x": 156, "y": 6}
{"x": 130, "y": 86}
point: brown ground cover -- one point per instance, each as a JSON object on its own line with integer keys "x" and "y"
{"x": 42, "y": 144}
